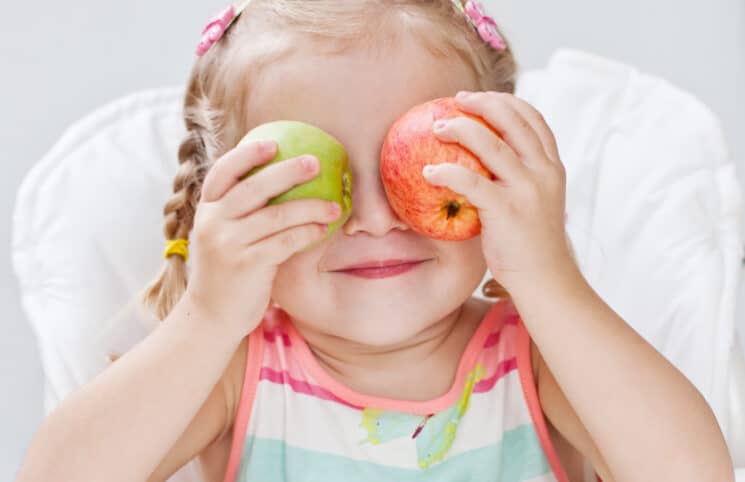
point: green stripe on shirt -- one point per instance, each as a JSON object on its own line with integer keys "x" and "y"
{"x": 274, "y": 461}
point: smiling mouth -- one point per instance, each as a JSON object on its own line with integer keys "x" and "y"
{"x": 381, "y": 269}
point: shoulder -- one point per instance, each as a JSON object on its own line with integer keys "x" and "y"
{"x": 569, "y": 436}
{"x": 535, "y": 360}
{"x": 208, "y": 434}
{"x": 232, "y": 382}
{"x": 214, "y": 457}
{"x": 225, "y": 397}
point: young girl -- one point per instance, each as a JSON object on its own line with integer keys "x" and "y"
{"x": 366, "y": 357}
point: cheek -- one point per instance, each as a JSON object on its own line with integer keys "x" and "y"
{"x": 295, "y": 278}
{"x": 463, "y": 263}
{"x": 466, "y": 255}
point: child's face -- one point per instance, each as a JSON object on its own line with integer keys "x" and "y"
{"x": 355, "y": 96}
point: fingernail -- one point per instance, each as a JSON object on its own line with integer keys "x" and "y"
{"x": 267, "y": 146}
{"x": 428, "y": 170}
{"x": 334, "y": 209}
{"x": 462, "y": 94}
{"x": 309, "y": 163}
{"x": 440, "y": 125}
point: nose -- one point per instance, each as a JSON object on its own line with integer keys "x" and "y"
{"x": 371, "y": 212}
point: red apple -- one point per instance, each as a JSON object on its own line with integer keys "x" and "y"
{"x": 410, "y": 144}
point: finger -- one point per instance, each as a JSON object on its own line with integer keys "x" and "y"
{"x": 540, "y": 126}
{"x": 480, "y": 191}
{"x": 233, "y": 165}
{"x": 280, "y": 217}
{"x": 256, "y": 190}
{"x": 505, "y": 119}
{"x": 493, "y": 152}
{"x": 276, "y": 249}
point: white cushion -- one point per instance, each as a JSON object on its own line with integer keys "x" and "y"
{"x": 87, "y": 236}
{"x": 655, "y": 213}
{"x": 654, "y": 210}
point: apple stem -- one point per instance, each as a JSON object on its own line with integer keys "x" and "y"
{"x": 452, "y": 209}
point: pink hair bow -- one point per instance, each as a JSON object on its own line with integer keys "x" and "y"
{"x": 485, "y": 25}
{"x": 215, "y": 28}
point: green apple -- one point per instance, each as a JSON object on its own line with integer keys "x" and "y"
{"x": 294, "y": 138}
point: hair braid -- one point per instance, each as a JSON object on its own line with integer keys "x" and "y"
{"x": 196, "y": 154}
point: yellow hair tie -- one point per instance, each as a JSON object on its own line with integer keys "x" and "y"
{"x": 177, "y": 246}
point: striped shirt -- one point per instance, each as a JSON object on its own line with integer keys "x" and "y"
{"x": 296, "y": 423}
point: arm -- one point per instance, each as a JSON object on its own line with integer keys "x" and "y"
{"x": 646, "y": 419}
{"x": 636, "y": 417}
{"x": 212, "y": 423}
{"x": 565, "y": 428}
{"x": 122, "y": 424}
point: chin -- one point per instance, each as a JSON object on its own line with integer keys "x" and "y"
{"x": 381, "y": 329}
{"x": 374, "y": 317}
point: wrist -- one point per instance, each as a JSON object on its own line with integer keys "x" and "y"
{"x": 560, "y": 281}
{"x": 197, "y": 317}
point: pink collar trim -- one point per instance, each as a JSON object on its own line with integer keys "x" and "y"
{"x": 468, "y": 358}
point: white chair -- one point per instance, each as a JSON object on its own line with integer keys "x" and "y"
{"x": 655, "y": 214}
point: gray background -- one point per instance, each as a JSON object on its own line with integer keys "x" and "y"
{"x": 61, "y": 62}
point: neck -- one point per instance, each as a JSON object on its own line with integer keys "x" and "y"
{"x": 398, "y": 371}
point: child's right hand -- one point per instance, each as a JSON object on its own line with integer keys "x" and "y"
{"x": 240, "y": 241}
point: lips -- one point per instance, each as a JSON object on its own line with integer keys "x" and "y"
{"x": 381, "y": 268}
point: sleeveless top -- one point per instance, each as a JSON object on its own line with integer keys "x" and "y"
{"x": 296, "y": 423}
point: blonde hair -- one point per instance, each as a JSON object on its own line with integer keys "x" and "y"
{"x": 217, "y": 88}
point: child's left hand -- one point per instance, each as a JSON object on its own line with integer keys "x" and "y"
{"x": 522, "y": 212}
